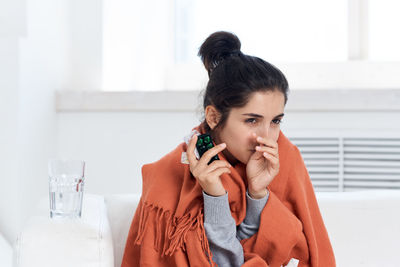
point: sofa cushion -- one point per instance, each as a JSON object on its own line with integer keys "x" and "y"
{"x": 364, "y": 226}
{"x": 120, "y": 209}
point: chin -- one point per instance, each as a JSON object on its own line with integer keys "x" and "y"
{"x": 246, "y": 160}
{"x": 234, "y": 159}
{"x": 248, "y": 156}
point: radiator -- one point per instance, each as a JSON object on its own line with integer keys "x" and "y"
{"x": 351, "y": 163}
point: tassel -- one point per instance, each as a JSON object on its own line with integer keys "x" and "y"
{"x": 170, "y": 231}
{"x": 203, "y": 239}
{"x": 144, "y": 214}
{"x": 139, "y": 237}
{"x": 157, "y": 240}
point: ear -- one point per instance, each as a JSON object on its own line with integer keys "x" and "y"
{"x": 212, "y": 116}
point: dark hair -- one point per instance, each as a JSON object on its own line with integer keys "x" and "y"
{"x": 234, "y": 76}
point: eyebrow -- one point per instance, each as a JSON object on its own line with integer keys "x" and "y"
{"x": 260, "y": 116}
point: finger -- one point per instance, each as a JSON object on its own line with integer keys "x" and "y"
{"x": 218, "y": 164}
{"x": 205, "y": 159}
{"x": 190, "y": 151}
{"x": 272, "y": 151}
{"x": 218, "y": 172}
{"x": 274, "y": 161}
{"x": 267, "y": 142}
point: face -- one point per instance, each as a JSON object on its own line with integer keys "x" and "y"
{"x": 261, "y": 115}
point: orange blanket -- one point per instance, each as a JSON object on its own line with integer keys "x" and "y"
{"x": 167, "y": 229}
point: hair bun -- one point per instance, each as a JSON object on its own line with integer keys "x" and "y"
{"x": 217, "y": 47}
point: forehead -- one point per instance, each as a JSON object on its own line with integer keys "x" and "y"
{"x": 269, "y": 103}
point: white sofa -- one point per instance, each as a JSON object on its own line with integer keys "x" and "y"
{"x": 364, "y": 228}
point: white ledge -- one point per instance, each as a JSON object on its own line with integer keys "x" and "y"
{"x": 299, "y": 100}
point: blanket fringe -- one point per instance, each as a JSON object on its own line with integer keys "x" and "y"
{"x": 171, "y": 232}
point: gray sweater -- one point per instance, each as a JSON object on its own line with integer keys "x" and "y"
{"x": 221, "y": 231}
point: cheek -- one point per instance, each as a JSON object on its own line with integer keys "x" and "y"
{"x": 236, "y": 140}
{"x": 239, "y": 138}
{"x": 244, "y": 135}
{"x": 275, "y": 134}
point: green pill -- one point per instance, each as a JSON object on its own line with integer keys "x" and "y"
{"x": 200, "y": 142}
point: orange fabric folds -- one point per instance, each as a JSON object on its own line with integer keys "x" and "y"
{"x": 167, "y": 228}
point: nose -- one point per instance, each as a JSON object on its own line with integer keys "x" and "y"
{"x": 264, "y": 130}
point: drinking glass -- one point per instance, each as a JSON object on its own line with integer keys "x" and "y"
{"x": 66, "y": 183}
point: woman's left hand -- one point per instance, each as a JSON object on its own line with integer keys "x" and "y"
{"x": 262, "y": 166}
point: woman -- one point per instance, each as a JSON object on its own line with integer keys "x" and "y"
{"x": 255, "y": 206}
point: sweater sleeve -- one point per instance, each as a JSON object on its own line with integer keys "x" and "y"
{"x": 251, "y": 222}
{"x": 220, "y": 230}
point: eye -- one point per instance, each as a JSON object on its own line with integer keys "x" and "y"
{"x": 251, "y": 120}
{"x": 277, "y": 121}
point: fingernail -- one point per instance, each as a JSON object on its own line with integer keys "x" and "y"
{"x": 223, "y": 145}
{"x": 258, "y": 148}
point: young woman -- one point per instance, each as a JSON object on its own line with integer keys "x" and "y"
{"x": 255, "y": 206}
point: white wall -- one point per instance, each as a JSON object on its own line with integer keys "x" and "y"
{"x": 11, "y": 28}
{"x": 84, "y": 44}
{"x": 45, "y": 45}
{"x": 34, "y": 67}
{"x": 8, "y": 132}
{"x": 116, "y": 144}
{"x": 42, "y": 70}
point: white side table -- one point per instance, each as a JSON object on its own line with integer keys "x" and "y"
{"x": 85, "y": 242}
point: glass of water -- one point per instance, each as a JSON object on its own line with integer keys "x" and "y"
{"x": 66, "y": 183}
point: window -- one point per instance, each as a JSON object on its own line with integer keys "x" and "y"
{"x": 153, "y": 45}
{"x": 288, "y": 31}
{"x": 384, "y": 22}
{"x": 136, "y": 44}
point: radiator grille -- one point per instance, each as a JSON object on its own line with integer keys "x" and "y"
{"x": 349, "y": 164}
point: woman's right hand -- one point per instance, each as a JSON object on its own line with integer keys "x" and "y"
{"x": 208, "y": 176}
